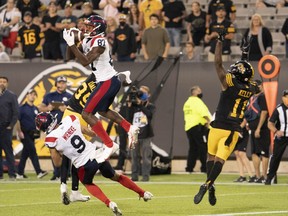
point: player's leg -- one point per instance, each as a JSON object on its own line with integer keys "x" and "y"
{"x": 75, "y": 193}
{"x": 100, "y": 100}
{"x": 86, "y": 175}
{"x": 108, "y": 172}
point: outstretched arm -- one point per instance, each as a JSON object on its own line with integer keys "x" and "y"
{"x": 82, "y": 58}
{"x": 219, "y": 65}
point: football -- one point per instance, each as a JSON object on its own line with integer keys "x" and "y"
{"x": 78, "y": 35}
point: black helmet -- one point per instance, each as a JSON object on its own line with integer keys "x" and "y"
{"x": 242, "y": 70}
{"x": 98, "y": 23}
{"x": 45, "y": 122}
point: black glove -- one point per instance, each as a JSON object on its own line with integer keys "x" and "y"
{"x": 222, "y": 33}
{"x": 245, "y": 46}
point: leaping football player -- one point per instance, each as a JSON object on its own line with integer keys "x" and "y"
{"x": 94, "y": 51}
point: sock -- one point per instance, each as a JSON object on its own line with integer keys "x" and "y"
{"x": 97, "y": 192}
{"x": 100, "y": 132}
{"x": 128, "y": 183}
{"x": 125, "y": 125}
{"x": 75, "y": 179}
{"x": 216, "y": 170}
{"x": 209, "y": 166}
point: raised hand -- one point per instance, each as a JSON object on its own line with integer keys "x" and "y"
{"x": 69, "y": 37}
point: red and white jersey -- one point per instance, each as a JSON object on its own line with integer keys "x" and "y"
{"x": 69, "y": 140}
{"x": 103, "y": 66}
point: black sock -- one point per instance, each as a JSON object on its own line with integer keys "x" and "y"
{"x": 209, "y": 166}
{"x": 75, "y": 179}
{"x": 216, "y": 170}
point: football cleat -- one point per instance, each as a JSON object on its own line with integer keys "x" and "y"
{"x": 240, "y": 179}
{"x": 147, "y": 196}
{"x": 64, "y": 195}
{"x": 76, "y": 196}
{"x": 113, "y": 206}
{"x": 133, "y": 136}
{"x": 211, "y": 195}
{"x": 199, "y": 196}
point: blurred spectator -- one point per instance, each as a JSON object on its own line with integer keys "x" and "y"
{"x": 76, "y": 4}
{"x": 56, "y": 102}
{"x": 8, "y": 118}
{"x": 133, "y": 21}
{"x": 30, "y": 38}
{"x": 196, "y": 24}
{"x": 256, "y": 115}
{"x": 4, "y": 57}
{"x": 190, "y": 55}
{"x": 11, "y": 17}
{"x": 124, "y": 45}
{"x": 87, "y": 11}
{"x": 29, "y": 5}
{"x": 284, "y": 30}
{"x": 110, "y": 8}
{"x": 241, "y": 157}
{"x": 51, "y": 47}
{"x": 26, "y": 130}
{"x": 147, "y": 8}
{"x": 123, "y": 108}
{"x": 126, "y": 5}
{"x": 110, "y": 31}
{"x": 66, "y": 22}
{"x": 173, "y": 14}
{"x": 155, "y": 40}
{"x": 269, "y": 3}
{"x": 228, "y": 6}
{"x": 220, "y": 24}
{"x": 262, "y": 42}
{"x": 142, "y": 111}
{"x": 197, "y": 120}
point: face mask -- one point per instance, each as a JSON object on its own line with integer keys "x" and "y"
{"x": 122, "y": 23}
{"x": 144, "y": 97}
{"x": 200, "y": 95}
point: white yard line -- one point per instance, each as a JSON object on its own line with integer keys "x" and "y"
{"x": 246, "y": 213}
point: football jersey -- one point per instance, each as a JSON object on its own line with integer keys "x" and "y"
{"x": 232, "y": 104}
{"x": 69, "y": 140}
{"x": 102, "y": 67}
{"x": 80, "y": 96}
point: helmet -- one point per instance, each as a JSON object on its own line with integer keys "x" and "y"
{"x": 242, "y": 70}
{"x": 98, "y": 23}
{"x": 45, "y": 122}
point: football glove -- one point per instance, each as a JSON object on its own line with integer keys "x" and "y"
{"x": 245, "y": 46}
{"x": 68, "y": 37}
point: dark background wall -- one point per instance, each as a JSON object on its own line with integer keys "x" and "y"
{"x": 168, "y": 121}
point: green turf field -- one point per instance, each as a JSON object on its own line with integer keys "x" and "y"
{"x": 173, "y": 195}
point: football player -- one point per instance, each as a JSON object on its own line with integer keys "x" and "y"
{"x": 67, "y": 139}
{"x": 75, "y": 106}
{"x": 237, "y": 88}
{"x": 95, "y": 52}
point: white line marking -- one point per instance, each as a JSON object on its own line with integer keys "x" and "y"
{"x": 246, "y": 213}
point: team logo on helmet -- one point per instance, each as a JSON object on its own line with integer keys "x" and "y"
{"x": 242, "y": 70}
{"x": 98, "y": 23}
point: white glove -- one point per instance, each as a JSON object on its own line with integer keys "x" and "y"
{"x": 68, "y": 37}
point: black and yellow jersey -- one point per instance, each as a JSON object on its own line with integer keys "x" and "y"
{"x": 80, "y": 96}
{"x": 30, "y": 37}
{"x": 232, "y": 104}
{"x": 216, "y": 27}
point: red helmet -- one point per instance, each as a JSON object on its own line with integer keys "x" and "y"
{"x": 45, "y": 122}
{"x": 98, "y": 23}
